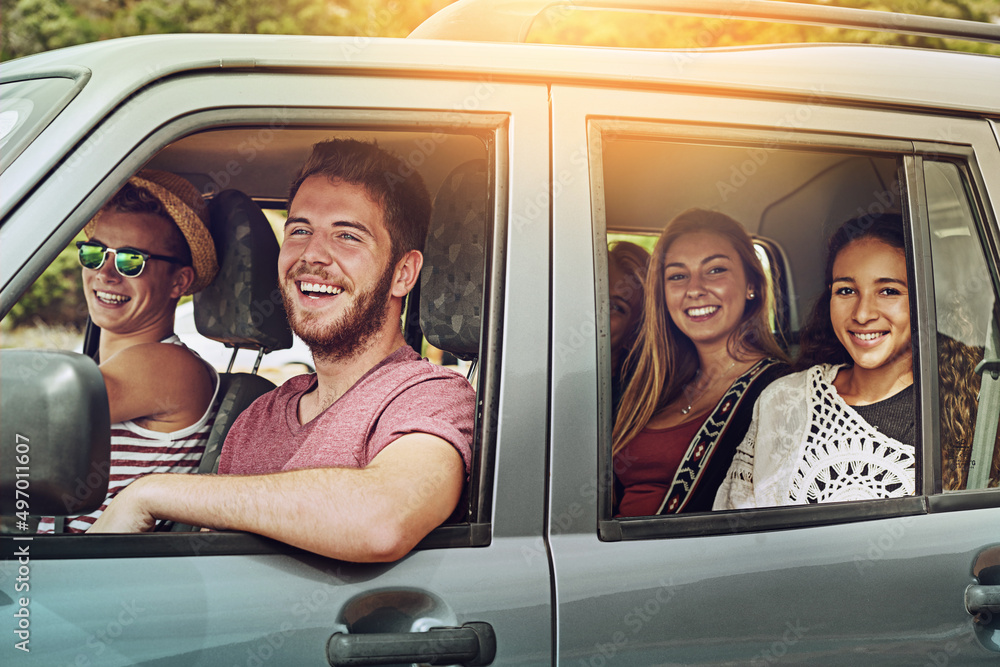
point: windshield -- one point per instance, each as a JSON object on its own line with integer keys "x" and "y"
{"x": 26, "y": 107}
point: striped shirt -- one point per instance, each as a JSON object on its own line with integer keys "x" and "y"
{"x": 138, "y": 451}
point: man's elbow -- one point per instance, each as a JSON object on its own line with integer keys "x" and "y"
{"x": 389, "y": 541}
{"x": 393, "y": 534}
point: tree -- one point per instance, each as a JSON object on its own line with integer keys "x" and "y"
{"x": 565, "y": 25}
{"x": 31, "y": 26}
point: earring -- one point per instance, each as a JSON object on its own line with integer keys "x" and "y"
{"x": 751, "y": 296}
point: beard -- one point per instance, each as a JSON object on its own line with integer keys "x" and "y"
{"x": 352, "y": 333}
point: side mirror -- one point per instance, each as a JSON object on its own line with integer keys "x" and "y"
{"x": 56, "y": 433}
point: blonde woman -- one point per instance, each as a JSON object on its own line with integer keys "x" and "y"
{"x": 704, "y": 353}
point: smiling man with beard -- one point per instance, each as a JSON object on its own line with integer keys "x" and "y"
{"x": 362, "y": 459}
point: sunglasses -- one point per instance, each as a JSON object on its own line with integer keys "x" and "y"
{"x": 128, "y": 261}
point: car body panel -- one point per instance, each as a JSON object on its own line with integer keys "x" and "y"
{"x": 203, "y": 610}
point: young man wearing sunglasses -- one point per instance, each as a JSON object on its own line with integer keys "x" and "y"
{"x": 361, "y": 460}
{"x": 145, "y": 249}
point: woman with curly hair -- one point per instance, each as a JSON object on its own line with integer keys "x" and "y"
{"x": 843, "y": 428}
{"x": 704, "y": 352}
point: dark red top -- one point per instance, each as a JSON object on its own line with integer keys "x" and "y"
{"x": 646, "y": 466}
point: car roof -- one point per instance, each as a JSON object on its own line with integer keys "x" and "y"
{"x": 872, "y": 74}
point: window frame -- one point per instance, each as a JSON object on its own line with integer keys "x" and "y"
{"x": 493, "y": 129}
{"x": 987, "y": 233}
{"x": 908, "y": 155}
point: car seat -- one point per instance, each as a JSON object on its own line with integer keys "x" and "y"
{"x": 241, "y": 308}
{"x": 452, "y": 282}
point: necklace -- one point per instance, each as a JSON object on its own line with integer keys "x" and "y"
{"x": 687, "y": 409}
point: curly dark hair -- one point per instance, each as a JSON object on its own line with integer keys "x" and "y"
{"x": 958, "y": 389}
{"x": 818, "y": 341}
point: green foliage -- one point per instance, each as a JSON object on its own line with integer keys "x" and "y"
{"x": 56, "y": 298}
{"x": 31, "y": 26}
{"x": 566, "y": 25}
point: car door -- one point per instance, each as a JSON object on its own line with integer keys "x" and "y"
{"x": 227, "y": 598}
{"x": 880, "y": 581}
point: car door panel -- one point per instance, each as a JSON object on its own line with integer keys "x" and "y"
{"x": 195, "y": 599}
{"x": 887, "y": 589}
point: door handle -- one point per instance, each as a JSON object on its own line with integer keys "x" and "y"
{"x": 982, "y": 599}
{"x": 473, "y": 644}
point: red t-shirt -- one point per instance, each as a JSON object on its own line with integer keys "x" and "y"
{"x": 402, "y": 394}
{"x": 646, "y": 466}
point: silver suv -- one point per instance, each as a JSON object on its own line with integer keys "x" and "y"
{"x": 538, "y": 155}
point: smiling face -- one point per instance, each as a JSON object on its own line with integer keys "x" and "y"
{"x": 870, "y": 306}
{"x": 123, "y": 305}
{"x": 705, "y": 287}
{"x": 335, "y": 267}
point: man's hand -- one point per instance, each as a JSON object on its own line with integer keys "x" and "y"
{"x": 126, "y": 513}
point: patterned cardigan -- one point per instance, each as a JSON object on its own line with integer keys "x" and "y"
{"x": 806, "y": 445}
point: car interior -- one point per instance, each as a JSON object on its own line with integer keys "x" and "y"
{"x": 245, "y": 173}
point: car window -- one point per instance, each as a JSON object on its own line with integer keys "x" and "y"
{"x": 966, "y": 304}
{"x": 458, "y": 168}
{"x": 790, "y": 199}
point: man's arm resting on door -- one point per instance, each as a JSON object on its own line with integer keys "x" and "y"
{"x": 373, "y": 514}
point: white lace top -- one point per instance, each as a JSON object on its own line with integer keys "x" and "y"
{"x": 806, "y": 445}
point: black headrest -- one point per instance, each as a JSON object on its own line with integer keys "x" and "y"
{"x": 451, "y": 282}
{"x": 242, "y": 306}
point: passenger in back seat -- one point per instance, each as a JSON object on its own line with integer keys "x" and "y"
{"x": 146, "y": 248}
{"x": 365, "y": 457}
{"x": 627, "y": 265}
{"x": 704, "y": 353}
{"x": 844, "y": 427}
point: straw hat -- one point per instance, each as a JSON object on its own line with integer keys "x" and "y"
{"x": 185, "y": 206}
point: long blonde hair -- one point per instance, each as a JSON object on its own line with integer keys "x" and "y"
{"x": 664, "y": 359}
